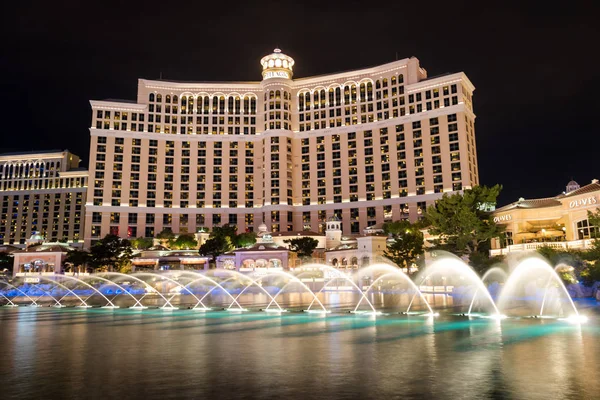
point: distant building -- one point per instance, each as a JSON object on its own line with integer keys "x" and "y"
{"x": 40, "y": 258}
{"x": 366, "y": 146}
{"x": 560, "y": 221}
{"x": 42, "y": 192}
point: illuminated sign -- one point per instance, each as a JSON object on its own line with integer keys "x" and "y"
{"x": 583, "y": 202}
{"x": 276, "y": 74}
{"x": 32, "y": 280}
{"x": 503, "y": 218}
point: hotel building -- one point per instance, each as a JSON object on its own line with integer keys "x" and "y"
{"x": 41, "y": 192}
{"x": 366, "y": 146}
{"x": 560, "y": 222}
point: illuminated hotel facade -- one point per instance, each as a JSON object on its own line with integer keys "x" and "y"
{"x": 41, "y": 192}
{"x": 560, "y": 222}
{"x": 367, "y": 146}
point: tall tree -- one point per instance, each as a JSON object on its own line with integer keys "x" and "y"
{"x": 406, "y": 245}
{"x": 77, "y": 258}
{"x": 216, "y": 246}
{"x": 111, "y": 251}
{"x": 461, "y": 220}
{"x": 303, "y": 246}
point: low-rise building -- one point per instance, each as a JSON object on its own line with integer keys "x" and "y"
{"x": 559, "y": 222}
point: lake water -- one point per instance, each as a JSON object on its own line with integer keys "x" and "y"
{"x": 96, "y": 353}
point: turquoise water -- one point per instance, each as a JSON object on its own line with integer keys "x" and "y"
{"x": 96, "y": 353}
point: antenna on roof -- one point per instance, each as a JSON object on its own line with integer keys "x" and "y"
{"x": 160, "y": 75}
{"x": 396, "y": 56}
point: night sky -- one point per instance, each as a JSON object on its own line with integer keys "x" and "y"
{"x": 533, "y": 66}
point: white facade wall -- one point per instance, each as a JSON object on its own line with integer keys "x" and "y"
{"x": 41, "y": 192}
{"x": 374, "y": 145}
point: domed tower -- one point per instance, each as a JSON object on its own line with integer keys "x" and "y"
{"x": 277, "y": 71}
{"x": 333, "y": 232}
{"x": 277, "y": 65}
{"x": 572, "y": 185}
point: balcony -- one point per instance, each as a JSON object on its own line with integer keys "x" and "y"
{"x": 515, "y": 248}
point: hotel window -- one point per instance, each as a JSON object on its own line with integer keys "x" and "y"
{"x": 585, "y": 230}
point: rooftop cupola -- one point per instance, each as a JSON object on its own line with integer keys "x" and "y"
{"x": 277, "y": 65}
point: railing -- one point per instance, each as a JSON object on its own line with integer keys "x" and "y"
{"x": 515, "y": 248}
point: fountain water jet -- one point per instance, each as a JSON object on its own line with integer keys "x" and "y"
{"x": 459, "y": 267}
{"x": 145, "y": 284}
{"x": 520, "y": 275}
{"x": 33, "y": 302}
{"x": 341, "y": 275}
{"x": 405, "y": 278}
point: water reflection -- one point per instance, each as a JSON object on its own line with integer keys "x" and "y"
{"x": 68, "y": 353}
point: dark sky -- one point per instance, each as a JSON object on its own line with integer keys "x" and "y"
{"x": 534, "y": 67}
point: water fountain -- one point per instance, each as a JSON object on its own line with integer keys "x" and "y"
{"x": 532, "y": 289}
{"x": 453, "y": 267}
{"x": 536, "y": 290}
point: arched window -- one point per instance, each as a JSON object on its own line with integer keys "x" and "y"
{"x": 183, "y": 101}
{"x": 278, "y": 94}
{"x": 253, "y": 105}
{"x": 246, "y": 105}
{"x": 159, "y": 98}
{"x": 363, "y": 92}
{"x": 301, "y": 102}
{"x": 151, "y": 97}
{"x": 206, "y": 104}
{"x": 215, "y": 104}
{"x": 347, "y": 94}
{"x": 168, "y": 98}
{"x": 338, "y": 96}
{"x": 369, "y": 91}
{"x": 331, "y": 97}
{"x": 323, "y": 98}
{"x": 175, "y": 99}
{"x": 385, "y": 82}
{"x": 199, "y": 105}
{"x": 307, "y": 100}
{"x": 316, "y": 99}
{"x": 377, "y": 84}
{"x": 271, "y": 94}
{"x": 237, "y": 105}
{"x": 400, "y": 79}
{"x": 222, "y": 105}
{"x": 393, "y": 80}
{"x": 353, "y": 92}
{"x": 230, "y": 105}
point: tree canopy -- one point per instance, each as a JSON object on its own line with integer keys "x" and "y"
{"x": 6, "y": 261}
{"x": 111, "y": 251}
{"x": 303, "y": 246}
{"x": 166, "y": 234}
{"x": 406, "y": 245}
{"x": 142, "y": 243}
{"x": 245, "y": 239}
{"x": 77, "y": 258}
{"x": 461, "y": 221}
{"x": 184, "y": 242}
{"x": 221, "y": 240}
{"x": 216, "y": 246}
